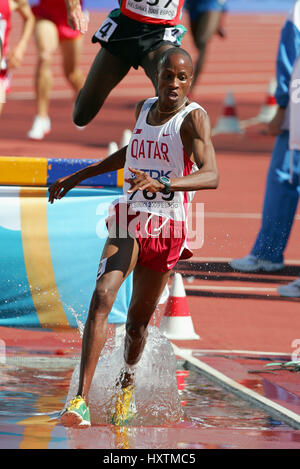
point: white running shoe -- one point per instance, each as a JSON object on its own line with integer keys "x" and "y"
{"x": 292, "y": 289}
{"x": 41, "y": 126}
{"x": 251, "y": 263}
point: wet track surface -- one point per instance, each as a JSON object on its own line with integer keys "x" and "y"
{"x": 34, "y": 389}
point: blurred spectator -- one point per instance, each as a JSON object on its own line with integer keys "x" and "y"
{"x": 283, "y": 181}
{"x": 206, "y": 19}
{"x": 52, "y": 30}
{"x": 13, "y": 58}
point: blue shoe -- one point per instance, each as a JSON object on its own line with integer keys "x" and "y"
{"x": 251, "y": 263}
{"x": 292, "y": 290}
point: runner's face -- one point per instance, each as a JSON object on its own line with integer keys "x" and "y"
{"x": 174, "y": 81}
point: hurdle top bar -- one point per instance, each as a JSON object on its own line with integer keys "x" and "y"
{"x": 32, "y": 171}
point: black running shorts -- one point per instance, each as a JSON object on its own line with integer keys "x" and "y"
{"x": 131, "y": 40}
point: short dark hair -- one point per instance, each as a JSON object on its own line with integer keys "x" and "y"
{"x": 174, "y": 51}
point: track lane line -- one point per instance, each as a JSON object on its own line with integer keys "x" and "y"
{"x": 278, "y": 411}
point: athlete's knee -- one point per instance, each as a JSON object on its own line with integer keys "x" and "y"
{"x": 70, "y": 74}
{"x": 45, "y": 57}
{"x": 75, "y": 77}
{"x": 104, "y": 298}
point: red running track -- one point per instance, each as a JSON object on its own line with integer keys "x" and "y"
{"x": 230, "y": 311}
{"x": 245, "y": 311}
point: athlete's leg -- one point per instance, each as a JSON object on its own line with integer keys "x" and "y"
{"x": 147, "y": 289}
{"x": 121, "y": 255}
{"x": 105, "y": 73}
{"x": 47, "y": 41}
{"x": 150, "y": 62}
{"x": 202, "y": 30}
{"x": 280, "y": 204}
{"x": 71, "y": 52}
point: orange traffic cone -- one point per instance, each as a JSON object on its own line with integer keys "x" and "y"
{"x": 177, "y": 322}
{"x": 268, "y": 110}
{"x": 181, "y": 375}
{"x": 228, "y": 122}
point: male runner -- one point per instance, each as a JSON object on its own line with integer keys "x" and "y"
{"x": 134, "y": 35}
{"x": 147, "y": 229}
{"x": 52, "y": 30}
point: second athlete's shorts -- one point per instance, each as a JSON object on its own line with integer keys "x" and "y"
{"x": 161, "y": 240}
{"x": 56, "y": 11}
{"x": 196, "y": 7}
{"x": 132, "y": 40}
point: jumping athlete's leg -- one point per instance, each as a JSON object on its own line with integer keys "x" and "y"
{"x": 47, "y": 41}
{"x": 203, "y": 29}
{"x": 147, "y": 289}
{"x": 71, "y": 52}
{"x": 105, "y": 73}
{"x": 150, "y": 62}
{"x": 118, "y": 260}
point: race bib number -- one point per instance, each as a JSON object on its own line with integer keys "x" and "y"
{"x": 106, "y": 30}
{"x": 160, "y": 9}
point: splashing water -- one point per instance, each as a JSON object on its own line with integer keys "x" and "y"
{"x": 156, "y": 394}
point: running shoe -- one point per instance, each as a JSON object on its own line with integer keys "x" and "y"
{"x": 291, "y": 290}
{"x": 251, "y": 263}
{"x": 41, "y": 126}
{"x": 124, "y": 407}
{"x": 77, "y": 414}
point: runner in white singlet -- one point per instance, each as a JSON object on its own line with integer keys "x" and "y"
{"x": 169, "y": 157}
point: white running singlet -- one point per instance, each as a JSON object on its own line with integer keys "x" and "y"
{"x": 158, "y": 151}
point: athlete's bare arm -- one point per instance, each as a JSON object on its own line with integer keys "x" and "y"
{"x": 112, "y": 163}
{"x": 76, "y": 17}
{"x": 15, "y": 57}
{"x": 196, "y": 138}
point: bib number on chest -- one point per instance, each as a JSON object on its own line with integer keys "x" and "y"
{"x": 160, "y": 9}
